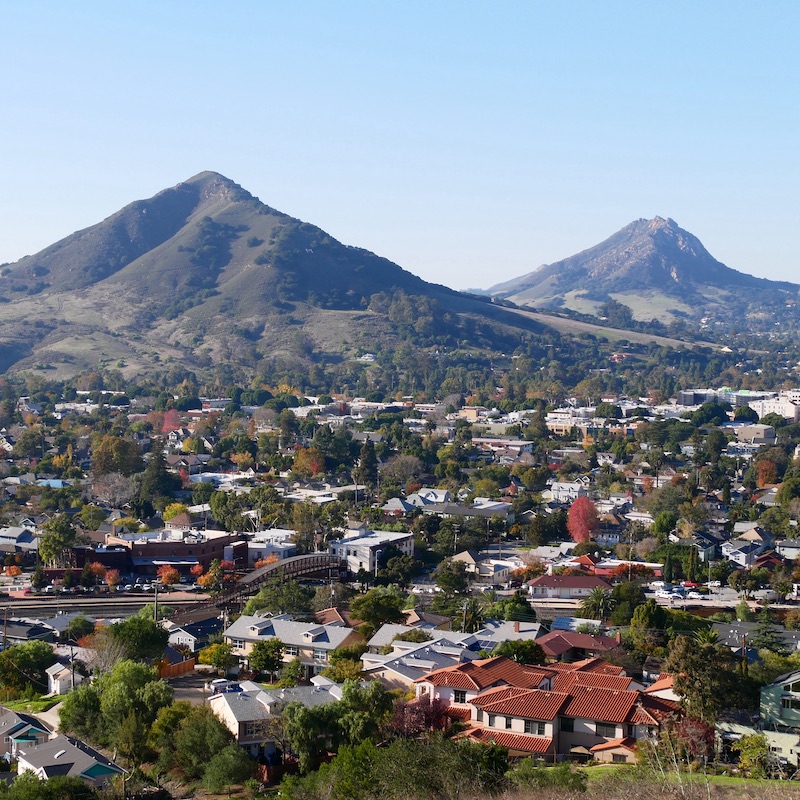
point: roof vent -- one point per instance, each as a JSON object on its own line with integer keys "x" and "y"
{"x": 59, "y": 754}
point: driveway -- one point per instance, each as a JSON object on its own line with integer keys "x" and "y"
{"x": 191, "y": 687}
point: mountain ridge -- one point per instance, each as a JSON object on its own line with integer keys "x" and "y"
{"x": 655, "y": 255}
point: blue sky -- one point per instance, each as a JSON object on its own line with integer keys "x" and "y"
{"x": 469, "y": 142}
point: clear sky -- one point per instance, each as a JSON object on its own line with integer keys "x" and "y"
{"x": 468, "y": 142}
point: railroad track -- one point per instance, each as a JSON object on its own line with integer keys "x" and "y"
{"x": 104, "y": 607}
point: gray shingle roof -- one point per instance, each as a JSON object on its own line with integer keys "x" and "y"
{"x": 299, "y": 634}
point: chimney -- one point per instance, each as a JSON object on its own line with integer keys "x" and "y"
{"x": 619, "y": 637}
{"x": 516, "y": 627}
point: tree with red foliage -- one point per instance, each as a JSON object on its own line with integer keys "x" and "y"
{"x": 632, "y": 570}
{"x": 582, "y": 519}
{"x": 172, "y": 421}
{"x": 696, "y": 738}
{"x": 416, "y": 717}
{"x": 197, "y": 570}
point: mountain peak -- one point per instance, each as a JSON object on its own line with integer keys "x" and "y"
{"x": 648, "y": 257}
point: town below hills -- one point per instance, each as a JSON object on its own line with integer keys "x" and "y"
{"x": 278, "y": 515}
{"x": 262, "y": 588}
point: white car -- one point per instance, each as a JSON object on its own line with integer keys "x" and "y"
{"x": 694, "y": 596}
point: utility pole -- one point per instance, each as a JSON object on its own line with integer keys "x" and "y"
{"x": 155, "y": 603}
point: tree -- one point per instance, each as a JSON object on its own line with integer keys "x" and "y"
{"x": 768, "y": 635}
{"x": 523, "y": 651}
{"x": 598, "y": 604}
{"x": 704, "y": 676}
{"x": 451, "y": 577}
{"x": 131, "y": 740}
{"x": 112, "y": 578}
{"x": 753, "y": 753}
{"x": 230, "y": 765}
{"x": 378, "y": 606}
{"x": 78, "y": 627}
{"x": 22, "y": 666}
{"x": 217, "y": 655}
{"x": 366, "y": 473}
{"x": 168, "y": 575}
{"x": 582, "y": 519}
{"x": 114, "y": 454}
{"x": 142, "y": 638}
{"x": 59, "y": 535}
{"x": 267, "y": 656}
{"x": 280, "y": 597}
{"x": 200, "y": 736}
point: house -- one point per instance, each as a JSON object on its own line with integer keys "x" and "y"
{"x": 565, "y": 587}
{"x": 362, "y": 550}
{"x": 64, "y": 755}
{"x": 62, "y": 678}
{"x": 780, "y": 702}
{"x": 585, "y": 718}
{"x": 18, "y": 729}
{"x": 193, "y": 635}
{"x": 250, "y": 712}
{"x": 409, "y": 661}
{"x": 574, "y": 646}
{"x": 459, "y": 685}
{"x": 742, "y": 551}
{"x": 309, "y": 642}
{"x": 18, "y": 631}
{"x": 789, "y": 548}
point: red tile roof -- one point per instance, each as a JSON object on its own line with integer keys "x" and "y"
{"x": 607, "y": 705}
{"x": 627, "y": 743}
{"x": 455, "y": 712}
{"x": 526, "y": 703}
{"x": 588, "y": 665}
{"x": 664, "y": 682}
{"x": 557, "y": 642}
{"x": 566, "y": 680}
{"x": 519, "y": 742}
{"x": 485, "y": 673}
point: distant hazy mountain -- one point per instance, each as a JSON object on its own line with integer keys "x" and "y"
{"x": 654, "y": 266}
{"x": 205, "y": 274}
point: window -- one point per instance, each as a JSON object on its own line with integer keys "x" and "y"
{"x": 459, "y": 696}
{"x": 618, "y": 758}
{"x": 508, "y": 723}
{"x": 320, "y": 655}
{"x": 291, "y": 650}
{"x": 630, "y": 731}
{"x": 237, "y": 644}
{"x": 606, "y": 730}
{"x": 534, "y": 726}
{"x": 567, "y": 724}
{"x": 491, "y": 720}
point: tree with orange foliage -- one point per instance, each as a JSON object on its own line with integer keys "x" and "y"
{"x": 98, "y": 570}
{"x": 263, "y": 562}
{"x": 582, "y": 519}
{"x": 13, "y": 571}
{"x": 308, "y": 462}
{"x": 168, "y": 575}
{"x": 112, "y": 578}
{"x": 767, "y": 473}
{"x": 197, "y": 570}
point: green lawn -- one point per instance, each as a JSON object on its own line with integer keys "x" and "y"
{"x": 32, "y": 706}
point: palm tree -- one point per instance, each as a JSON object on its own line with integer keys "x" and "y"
{"x": 706, "y": 636}
{"x": 473, "y": 615}
{"x": 598, "y": 604}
